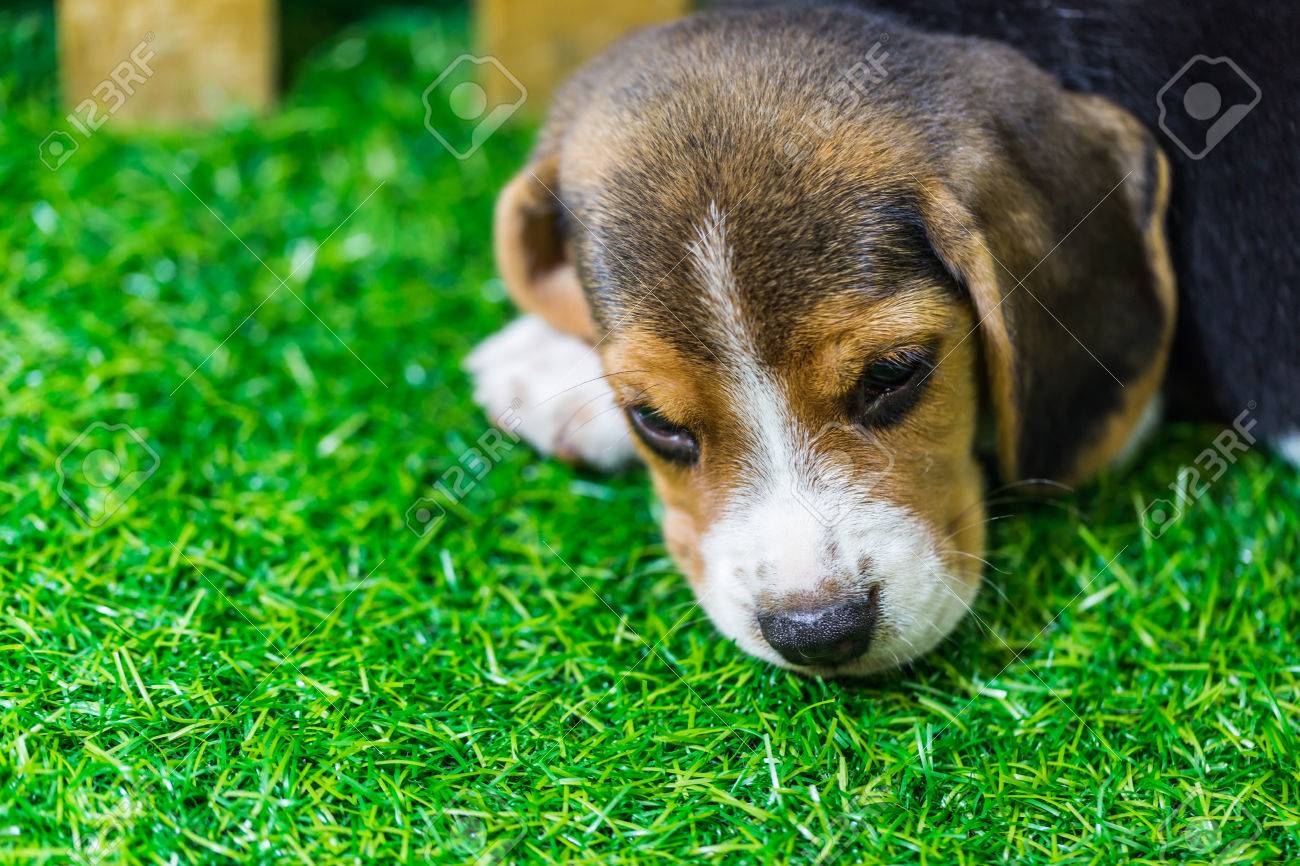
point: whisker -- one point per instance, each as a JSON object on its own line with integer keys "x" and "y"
{"x": 1070, "y": 509}
{"x": 578, "y": 411}
{"x": 585, "y": 382}
{"x": 985, "y": 521}
{"x": 1030, "y": 482}
{"x": 575, "y": 430}
{"x": 980, "y": 559}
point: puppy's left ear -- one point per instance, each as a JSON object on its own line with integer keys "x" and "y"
{"x": 1056, "y": 231}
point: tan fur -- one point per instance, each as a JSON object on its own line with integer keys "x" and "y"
{"x": 539, "y": 277}
{"x": 968, "y": 253}
{"x": 934, "y": 472}
{"x": 646, "y": 369}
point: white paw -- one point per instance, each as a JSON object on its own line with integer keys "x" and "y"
{"x": 1289, "y": 447}
{"x": 554, "y": 386}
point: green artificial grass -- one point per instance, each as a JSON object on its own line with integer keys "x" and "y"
{"x": 253, "y": 659}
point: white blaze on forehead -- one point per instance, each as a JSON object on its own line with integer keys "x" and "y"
{"x": 783, "y": 456}
{"x": 711, "y": 256}
{"x": 750, "y": 385}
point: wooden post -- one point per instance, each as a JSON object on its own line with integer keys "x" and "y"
{"x": 542, "y": 41}
{"x": 149, "y": 61}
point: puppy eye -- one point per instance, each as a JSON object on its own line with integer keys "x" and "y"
{"x": 670, "y": 441}
{"x": 890, "y": 386}
{"x": 890, "y": 373}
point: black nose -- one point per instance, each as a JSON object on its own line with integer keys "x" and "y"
{"x": 826, "y": 636}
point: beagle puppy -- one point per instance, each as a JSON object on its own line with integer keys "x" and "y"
{"x": 808, "y": 266}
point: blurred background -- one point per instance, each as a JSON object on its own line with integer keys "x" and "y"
{"x": 242, "y": 53}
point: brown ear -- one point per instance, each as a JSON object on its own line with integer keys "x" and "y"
{"x": 1058, "y": 238}
{"x": 532, "y": 254}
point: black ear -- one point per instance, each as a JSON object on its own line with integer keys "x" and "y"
{"x": 1057, "y": 233}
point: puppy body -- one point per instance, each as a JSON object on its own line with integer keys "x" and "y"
{"x": 956, "y": 218}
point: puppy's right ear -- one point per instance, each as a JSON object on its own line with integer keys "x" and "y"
{"x": 532, "y": 254}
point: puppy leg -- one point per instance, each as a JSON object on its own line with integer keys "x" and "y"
{"x": 554, "y": 385}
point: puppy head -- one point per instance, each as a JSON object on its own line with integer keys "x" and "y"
{"x": 805, "y": 349}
